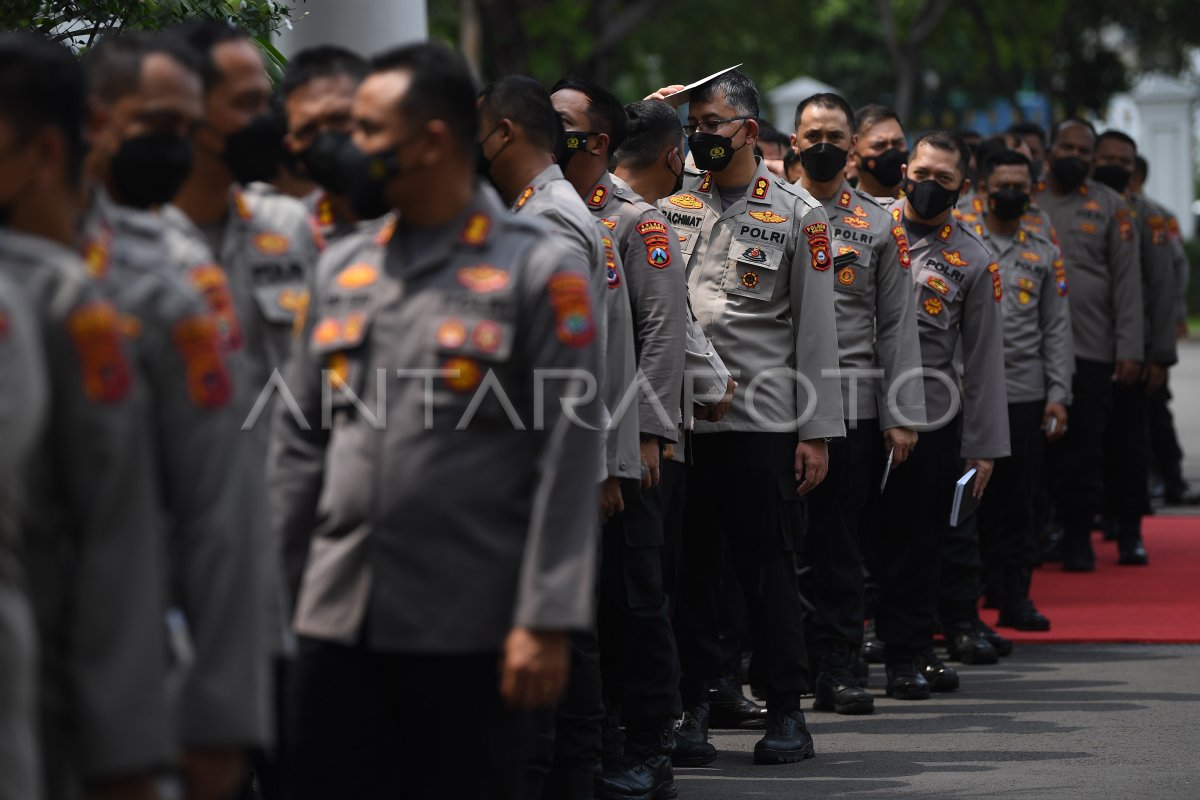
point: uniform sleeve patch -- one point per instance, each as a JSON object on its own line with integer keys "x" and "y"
{"x": 573, "y": 322}
{"x": 1060, "y": 277}
{"x": 105, "y": 371}
{"x": 208, "y": 383}
{"x": 651, "y": 226}
{"x": 902, "y": 246}
{"x": 213, "y": 285}
{"x": 997, "y": 291}
{"x": 818, "y": 245}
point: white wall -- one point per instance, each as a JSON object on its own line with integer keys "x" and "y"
{"x": 365, "y": 26}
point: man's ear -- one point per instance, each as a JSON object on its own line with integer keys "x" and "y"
{"x": 793, "y": 141}
{"x": 598, "y": 144}
{"x": 752, "y": 131}
{"x": 966, "y": 186}
{"x": 903, "y": 172}
{"x": 853, "y": 142}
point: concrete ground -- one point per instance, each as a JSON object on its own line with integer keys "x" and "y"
{"x": 1050, "y": 721}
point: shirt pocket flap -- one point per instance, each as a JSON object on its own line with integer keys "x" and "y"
{"x": 939, "y": 284}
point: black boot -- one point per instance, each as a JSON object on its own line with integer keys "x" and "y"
{"x": 692, "y": 748}
{"x": 968, "y": 645}
{"x": 787, "y": 739}
{"x": 731, "y": 709}
{"x": 644, "y": 771}
{"x": 861, "y": 670}
{"x": 941, "y": 678}
{"x": 1078, "y": 555}
{"x": 837, "y": 689}
{"x": 1018, "y": 610}
{"x": 1001, "y": 645}
{"x": 993, "y": 587}
{"x": 904, "y": 679}
{"x": 1131, "y": 550}
{"x": 872, "y": 648}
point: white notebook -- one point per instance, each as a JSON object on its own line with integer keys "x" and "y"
{"x": 965, "y": 501}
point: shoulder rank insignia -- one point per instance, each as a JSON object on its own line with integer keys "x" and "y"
{"x": 759, "y": 192}
{"x": 705, "y": 183}
{"x": 768, "y": 216}
{"x": 945, "y": 232}
{"x": 902, "y": 246}
{"x": 599, "y": 194}
{"x": 686, "y": 201}
{"x": 844, "y": 200}
{"x": 609, "y": 223}
{"x": 476, "y": 229}
{"x": 610, "y": 262}
{"x": 526, "y": 193}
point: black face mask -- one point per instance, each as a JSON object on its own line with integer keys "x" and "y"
{"x": 254, "y": 152}
{"x": 1008, "y": 204}
{"x": 148, "y": 170}
{"x": 321, "y": 160}
{"x": 569, "y": 144}
{"x": 366, "y": 178}
{"x": 1069, "y": 172}
{"x": 678, "y": 187}
{"x": 929, "y": 198}
{"x": 713, "y": 152}
{"x": 1113, "y": 176}
{"x": 483, "y": 164}
{"x": 823, "y": 162}
{"x": 885, "y": 167}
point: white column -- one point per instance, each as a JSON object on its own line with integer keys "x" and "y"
{"x": 1165, "y": 138}
{"x": 365, "y": 26}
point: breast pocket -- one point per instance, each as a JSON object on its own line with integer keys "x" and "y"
{"x": 752, "y": 270}
{"x": 469, "y": 348}
{"x": 1025, "y": 290}
{"x": 852, "y": 272}
{"x": 339, "y": 343}
{"x": 933, "y": 310}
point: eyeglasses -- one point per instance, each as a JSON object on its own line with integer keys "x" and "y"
{"x": 709, "y": 125}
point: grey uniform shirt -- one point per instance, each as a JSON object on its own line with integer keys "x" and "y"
{"x": 474, "y": 508}
{"x": 1159, "y": 280}
{"x": 649, "y": 250}
{"x": 92, "y": 544}
{"x": 206, "y": 495}
{"x": 1039, "y": 358}
{"x": 876, "y": 319}
{"x": 1099, "y": 246}
{"x": 957, "y": 289}
{"x": 552, "y": 199}
{"x": 761, "y": 283}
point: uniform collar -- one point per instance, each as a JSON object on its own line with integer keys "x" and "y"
{"x": 19, "y": 246}
{"x": 599, "y": 195}
{"x": 471, "y": 230}
{"x": 624, "y": 190}
{"x": 940, "y": 235}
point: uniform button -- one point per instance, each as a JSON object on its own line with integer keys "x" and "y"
{"x": 623, "y": 465}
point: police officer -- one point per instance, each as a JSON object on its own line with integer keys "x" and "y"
{"x": 1165, "y": 452}
{"x": 881, "y": 151}
{"x": 466, "y": 497}
{"x": 1099, "y": 246}
{"x": 519, "y": 130}
{"x": 23, "y": 396}
{"x": 1127, "y": 458}
{"x": 318, "y": 91}
{"x": 146, "y": 98}
{"x": 638, "y": 651}
{"x": 877, "y": 332}
{"x": 957, "y": 292}
{"x": 92, "y": 548}
{"x": 758, "y": 256}
{"x": 1038, "y": 358}
{"x": 1034, "y": 136}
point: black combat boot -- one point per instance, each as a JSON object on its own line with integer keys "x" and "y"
{"x": 1077, "y": 552}
{"x": 1018, "y": 611}
{"x": 644, "y": 771}
{"x": 1130, "y": 548}
{"x": 729, "y": 708}
{"x": 787, "y": 739}
{"x": 1001, "y": 645}
{"x": 967, "y": 644}
{"x": 904, "y": 678}
{"x": 872, "y": 648}
{"x": 837, "y": 689}
{"x": 941, "y": 678}
{"x": 692, "y": 748}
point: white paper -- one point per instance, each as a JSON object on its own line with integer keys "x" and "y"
{"x": 681, "y": 97}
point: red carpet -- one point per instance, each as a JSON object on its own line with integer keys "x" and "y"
{"x": 1157, "y": 603}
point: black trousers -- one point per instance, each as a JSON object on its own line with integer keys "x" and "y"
{"x": 742, "y": 487}
{"x": 639, "y": 665}
{"x": 914, "y": 521}
{"x": 1007, "y": 534}
{"x": 367, "y": 725}
{"x": 1166, "y": 455}
{"x": 564, "y": 744}
{"x": 832, "y": 580}
{"x": 1127, "y": 456}
{"x": 1077, "y": 459}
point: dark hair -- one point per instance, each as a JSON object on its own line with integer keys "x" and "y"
{"x": 202, "y": 36}
{"x": 526, "y": 102}
{"x": 827, "y": 100}
{"x": 737, "y": 90}
{"x": 114, "y": 65}
{"x": 1141, "y": 167}
{"x": 440, "y": 87}
{"x": 990, "y": 147}
{"x": 650, "y": 127}
{"x": 604, "y": 112}
{"x": 1072, "y": 121}
{"x": 872, "y": 114}
{"x": 789, "y": 158}
{"x": 1028, "y": 129}
{"x": 322, "y": 61}
{"x": 1004, "y": 158}
{"x": 1117, "y": 136}
{"x": 769, "y": 134}
{"x": 948, "y": 141}
{"x": 42, "y": 84}
{"x": 968, "y": 133}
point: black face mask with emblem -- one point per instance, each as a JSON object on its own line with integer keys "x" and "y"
{"x": 823, "y": 162}
{"x": 569, "y": 144}
{"x": 321, "y": 160}
{"x": 1008, "y": 204}
{"x": 1114, "y": 176}
{"x": 148, "y": 170}
{"x": 712, "y": 151}
{"x": 1069, "y": 172}
{"x": 885, "y": 167}
{"x": 929, "y": 198}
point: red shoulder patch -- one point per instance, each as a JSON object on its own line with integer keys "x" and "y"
{"x": 902, "y": 246}
{"x": 573, "y": 324}
{"x": 208, "y": 382}
{"x": 94, "y": 332}
{"x": 818, "y": 245}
